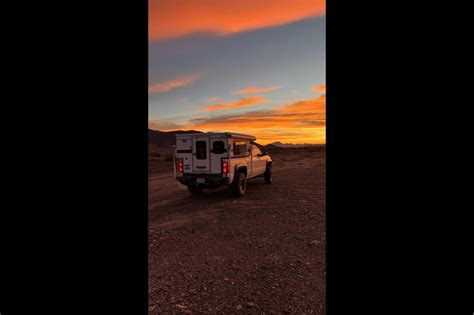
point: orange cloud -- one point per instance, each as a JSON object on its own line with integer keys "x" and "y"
{"x": 175, "y": 18}
{"x": 306, "y": 107}
{"x": 178, "y": 82}
{"x": 321, "y": 89}
{"x": 254, "y": 90}
{"x": 301, "y": 122}
{"x": 240, "y": 103}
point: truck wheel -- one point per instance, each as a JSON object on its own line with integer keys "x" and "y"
{"x": 240, "y": 185}
{"x": 268, "y": 175}
{"x": 194, "y": 190}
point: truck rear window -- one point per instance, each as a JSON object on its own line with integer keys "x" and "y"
{"x": 201, "y": 150}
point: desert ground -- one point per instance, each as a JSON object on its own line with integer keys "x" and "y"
{"x": 262, "y": 253}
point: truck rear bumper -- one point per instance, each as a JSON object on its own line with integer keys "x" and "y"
{"x": 209, "y": 181}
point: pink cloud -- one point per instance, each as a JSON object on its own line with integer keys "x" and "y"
{"x": 175, "y": 83}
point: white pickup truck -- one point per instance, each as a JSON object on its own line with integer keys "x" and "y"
{"x": 211, "y": 160}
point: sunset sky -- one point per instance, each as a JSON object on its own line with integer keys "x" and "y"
{"x": 247, "y": 66}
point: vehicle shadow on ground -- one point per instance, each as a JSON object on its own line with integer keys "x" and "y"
{"x": 208, "y": 201}
{"x": 226, "y": 192}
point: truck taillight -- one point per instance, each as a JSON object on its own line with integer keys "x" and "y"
{"x": 225, "y": 167}
{"x": 179, "y": 165}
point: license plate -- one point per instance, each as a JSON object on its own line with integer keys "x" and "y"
{"x": 200, "y": 181}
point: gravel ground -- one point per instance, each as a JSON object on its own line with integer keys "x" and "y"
{"x": 262, "y": 253}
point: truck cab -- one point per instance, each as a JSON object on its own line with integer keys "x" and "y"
{"x": 212, "y": 160}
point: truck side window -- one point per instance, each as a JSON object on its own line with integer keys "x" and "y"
{"x": 240, "y": 148}
{"x": 201, "y": 151}
{"x": 255, "y": 151}
{"x": 218, "y": 147}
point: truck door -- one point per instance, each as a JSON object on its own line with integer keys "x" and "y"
{"x": 259, "y": 164}
{"x": 201, "y": 156}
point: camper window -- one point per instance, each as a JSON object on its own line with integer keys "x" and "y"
{"x": 218, "y": 147}
{"x": 201, "y": 151}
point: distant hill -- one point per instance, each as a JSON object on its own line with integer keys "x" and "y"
{"x": 164, "y": 139}
{"x": 270, "y": 146}
{"x": 278, "y": 144}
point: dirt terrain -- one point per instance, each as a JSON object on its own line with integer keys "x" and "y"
{"x": 262, "y": 253}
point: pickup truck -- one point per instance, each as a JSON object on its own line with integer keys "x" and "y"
{"x": 211, "y": 160}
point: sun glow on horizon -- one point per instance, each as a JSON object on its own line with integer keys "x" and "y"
{"x": 297, "y": 123}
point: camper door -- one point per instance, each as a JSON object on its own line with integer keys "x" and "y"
{"x": 201, "y": 154}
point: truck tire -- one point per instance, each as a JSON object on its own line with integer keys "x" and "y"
{"x": 240, "y": 185}
{"x": 194, "y": 190}
{"x": 268, "y": 175}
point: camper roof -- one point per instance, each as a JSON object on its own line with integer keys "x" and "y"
{"x": 218, "y": 134}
